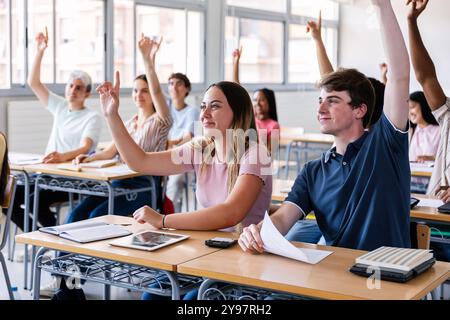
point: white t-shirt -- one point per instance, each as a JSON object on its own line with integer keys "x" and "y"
{"x": 71, "y": 127}
{"x": 183, "y": 120}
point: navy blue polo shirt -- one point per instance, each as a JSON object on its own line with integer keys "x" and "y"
{"x": 360, "y": 199}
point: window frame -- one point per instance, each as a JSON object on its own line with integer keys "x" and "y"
{"x": 19, "y": 89}
{"x": 287, "y": 19}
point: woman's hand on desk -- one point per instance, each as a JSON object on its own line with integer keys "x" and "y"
{"x": 250, "y": 240}
{"x": 148, "y": 215}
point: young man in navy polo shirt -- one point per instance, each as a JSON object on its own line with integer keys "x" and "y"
{"x": 360, "y": 189}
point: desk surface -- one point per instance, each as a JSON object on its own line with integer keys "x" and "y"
{"x": 280, "y": 189}
{"x": 167, "y": 258}
{"x": 329, "y": 279}
{"x": 306, "y": 137}
{"x": 104, "y": 174}
{"x": 17, "y": 160}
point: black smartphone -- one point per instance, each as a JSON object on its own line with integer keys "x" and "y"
{"x": 414, "y": 202}
{"x": 220, "y": 242}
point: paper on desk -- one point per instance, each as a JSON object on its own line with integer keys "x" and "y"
{"x": 423, "y": 167}
{"x": 119, "y": 169}
{"x": 275, "y": 243}
{"x": 433, "y": 203}
{"x": 21, "y": 159}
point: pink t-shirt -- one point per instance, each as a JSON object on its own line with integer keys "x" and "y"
{"x": 269, "y": 125}
{"x": 424, "y": 142}
{"x": 212, "y": 181}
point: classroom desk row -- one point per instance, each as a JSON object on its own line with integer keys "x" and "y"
{"x": 89, "y": 181}
{"x": 329, "y": 279}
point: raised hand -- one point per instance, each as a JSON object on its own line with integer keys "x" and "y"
{"x": 237, "y": 55}
{"x": 148, "y": 215}
{"x": 149, "y": 48}
{"x": 42, "y": 40}
{"x": 383, "y": 72}
{"x": 315, "y": 27}
{"x": 417, "y": 7}
{"x": 109, "y": 96}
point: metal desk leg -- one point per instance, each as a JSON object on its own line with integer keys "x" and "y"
{"x": 287, "y": 158}
{"x": 26, "y": 227}
{"x": 35, "y": 219}
{"x": 153, "y": 192}
{"x": 175, "y": 285}
{"x": 110, "y": 198}
{"x": 206, "y": 284}
{"x": 37, "y": 273}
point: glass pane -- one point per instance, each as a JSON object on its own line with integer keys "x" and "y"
{"x": 272, "y": 5}
{"x": 4, "y": 45}
{"x": 18, "y": 42}
{"x": 80, "y": 39}
{"x": 40, "y": 16}
{"x": 303, "y": 65}
{"x": 195, "y": 47}
{"x": 176, "y": 52}
{"x": 124, "y": 43}
{"x": 311, "y": 8}
{"x": 262, "y": 55}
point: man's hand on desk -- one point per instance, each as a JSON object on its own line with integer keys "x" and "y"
{"x": 444, "y": 194}
{"x": 148, "y": 215}
{"x": 250, "y": 240}
{"x": 54, "y": 157}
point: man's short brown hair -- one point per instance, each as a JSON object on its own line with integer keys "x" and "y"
{"x": 184, "y": 78}
{"x": 356, "y": 84}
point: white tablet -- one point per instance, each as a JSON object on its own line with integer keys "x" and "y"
{"x": 149, "y": 240}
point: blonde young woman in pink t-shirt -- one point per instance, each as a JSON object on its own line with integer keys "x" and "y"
{"x": 234, "y": 182}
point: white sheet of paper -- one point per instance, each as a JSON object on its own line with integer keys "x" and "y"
{"x": 118, "y": 169}
{"x": 275, "y": 243}
{"x": 433, "y": 203}
{"x": 24, "y": 159}
{"x": 423, "y": 167}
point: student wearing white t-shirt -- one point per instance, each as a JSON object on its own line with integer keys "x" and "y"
{"x": 182, "y": 131}
{"x": 75, "y": 130}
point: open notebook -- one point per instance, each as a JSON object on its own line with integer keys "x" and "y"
{"x": 87, "y": 231}
{"x": 94, "y": 164}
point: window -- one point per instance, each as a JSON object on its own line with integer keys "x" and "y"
{"x": 311, "y": 8}
{"x": 272, "y": 5}
{"x": 262, "y": 41}
{"x": 302, "y": 53}
{"x": 262, "y": 27}
{"x": 182, "y": 49}
{"x": 4, "y": 45}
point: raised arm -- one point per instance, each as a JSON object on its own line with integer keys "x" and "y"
{"x": 315, "y": 28}
{"x": 225, "y": 215}
{"x": 34, "y": 78}
{"x": 397, "y": 88}
{"x": 236, "y": 61}
{"x": 158, "y": 163}
{"x": 421, "y": 60}
{"x": 148, "y": 49}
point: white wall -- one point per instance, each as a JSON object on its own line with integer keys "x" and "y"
{"x": 360, "y": 41}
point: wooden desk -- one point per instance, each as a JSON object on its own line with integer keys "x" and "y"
{"x": 428, "y": 214}
{"x": 329, "y": 279}
{"x": 166, "y": 259}
{"x": 17, "y": 163}
{"x": 117, "y": 172}
{"x": 279, "y": 185}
